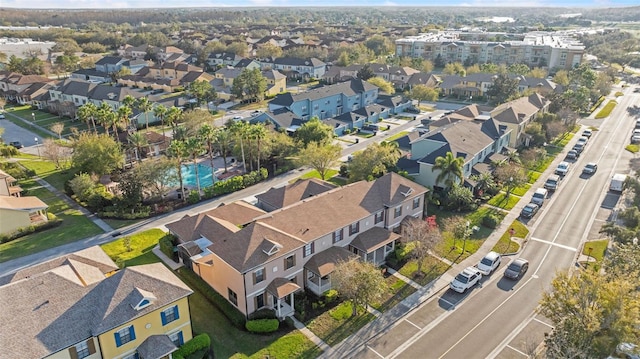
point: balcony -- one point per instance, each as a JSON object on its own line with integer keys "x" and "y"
{"x": 318, "y": 288}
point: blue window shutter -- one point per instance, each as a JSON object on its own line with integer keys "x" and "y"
{"x": 176, "y": 313}
{"x": 132, "y": 333}
{"x": 164, "y": 318}
{"x": 118, "y": 342}
{"x": 180, "y": 338}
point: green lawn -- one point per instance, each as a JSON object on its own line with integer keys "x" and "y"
{"x": 335, "y": 325}
{"x": 533, "y": 176}
{"x": 522, "y": 190}
{"x": 139, "y": 252}
{"x": 75, "y": 226}
{"x": 502, "y": 201}
{"x": 432, "y": 268}
{"x": 316, "y": 174}
{"x": 598, "y": 248}
{"x": 505, "y": 244}
{"x": 396, "y": 291}
{"x": 396, "y": 136}
{"x": 47, "y": 171}
{"x": 606, "y": 110}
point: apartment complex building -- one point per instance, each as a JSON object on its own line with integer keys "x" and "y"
{"x": 536, "y": 49}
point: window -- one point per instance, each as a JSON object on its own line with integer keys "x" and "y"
{"x": 177, "y": 338}
{"x": 259, "y": 301}
{"x": 308, "y": 249}
{"x": 233, "y": 297}
{"x": 337, "y": 235}
{"x": 389, "y": 247}
{"x": 397, "y": 212}
{"x": 354, "y": 228}
{"x": 169, "y": 315}
{"x": 124, "y": 335}
{"x": 416, "y": 202}
{"x": 82, "y": 350}
{"x": 258, "y": 276}
{"x": 379, "y": 217}
{"x": 290, "y": 262}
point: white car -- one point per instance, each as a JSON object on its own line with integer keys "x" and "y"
{"x": 563, "y": 168}
{"x": 469, "y": 277}
{"x": 489, "y": 263}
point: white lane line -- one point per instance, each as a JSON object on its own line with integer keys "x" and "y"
{"x": 541, "y": 322}
{"x": 573, "y": 249}
{"x": 509, "y": 338}
{"x": 412, "y": 323}
{"x": 518, "y": 351}
{"x": 375, "y": 352}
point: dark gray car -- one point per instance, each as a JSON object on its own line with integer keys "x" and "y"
{"x": 517, "y": 269}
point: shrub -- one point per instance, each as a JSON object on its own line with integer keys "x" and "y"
{"x": 166, "y": 245}
{"x": 491, "y": 221}
{"x": 606, "y": 110}
{"x": 21, "y": 232}
{"x": 289, "y": 322}
{"x": 113, "y": 212}
{"x": 344, "y": 170}
{"x": 264, "y": 313}
{"x": 331, "y": 295}
{"x": 234, "y": 315}
{"x": 262, "y": 325}
{"x": 193, "y": 197}
{"x": 595, "y": 105}
{"x": 200, "y": 341}
{"x": 342, "y": 311}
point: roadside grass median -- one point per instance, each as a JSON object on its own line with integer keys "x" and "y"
{"x": 595, "y": 251}
{"x": 632, "y": 148}
{"x": 606, "y": 110}
{"x": 336, "y": 324}
{"x": 506, "y": 244}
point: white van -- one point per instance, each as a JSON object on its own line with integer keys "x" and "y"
{"x": 539, "y": 196}
{"x": 617, "y": 182}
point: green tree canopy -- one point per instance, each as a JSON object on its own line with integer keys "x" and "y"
{"x": 320, "y": 156}
{"x": 450, "y": 168}
{"x": 360, "y": 282}
{"x": 372, "y": 162}
{"x": 96, "y": 154}
{"x": 314, "y": 130}
{"x": 423, "y": 93}
{"x": 383, "y": 84}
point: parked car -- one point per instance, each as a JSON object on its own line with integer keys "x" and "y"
{"x": 563, "y": 168}
{"x": 237, "y": 117}
{"x": 16, "y": 144}
{"x": 573, "y": 155}
{"x": 2, "y": 116}
{"x": 539, "y": 196}
{"x": 578, "y": 147}
{"x": 529, "y": 210}
{"x": 552, "y": 182}
{"x": 590, "y": 168}
{"x": 637, "y": 123}
{"x": 635, "y": 136}
{"x": 583, "y": 140}
{"x": 517, "y": 269}
{"x": 489, "y": 263}
{"x": 469, "y": 277}
{"x": 255, "y": 113}
{"x": 587, "y": 133}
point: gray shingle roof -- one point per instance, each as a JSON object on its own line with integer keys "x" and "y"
{"x": 55, "y": 309}
{"x": 156, "y": 347}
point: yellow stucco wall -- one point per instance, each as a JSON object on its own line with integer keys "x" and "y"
{"x": 64, "y": 354}
{"x": 10, "y": 220}
{"x": 150, "y": 324}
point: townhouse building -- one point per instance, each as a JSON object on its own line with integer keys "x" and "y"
{"x": 259, "y": 259}
{"x": 82, "y": 306}
{"x": 18, "y": 211}
{"x": 13, "y": 84}
{"x": 296, "y": 68}
{"x": 223, "y": 59}
{"x": 519, "y": 113}
{"x": 536, "y": 49}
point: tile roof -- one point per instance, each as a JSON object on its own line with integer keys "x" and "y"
{"x": 297, "y": 191}
{"x": 55, "y": 309}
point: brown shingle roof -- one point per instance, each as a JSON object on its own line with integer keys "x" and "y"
{"x": 324, "y": 262}
{"x": 373, "y": 239}
{"x": 297, "y": 191}
{"x": 281, "y": 287}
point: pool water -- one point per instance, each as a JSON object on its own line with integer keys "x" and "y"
{"x": 189, "y": 175}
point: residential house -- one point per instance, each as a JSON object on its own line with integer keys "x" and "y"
{"x": 517, "y": 114}
{"x": 134, "y": 52}
{"x": 165, "y": 52}
{"x": 263, "y": 263}
{"x": 32, "y": 94}
{"x": 475, "y": 141}
{"x": 467, "y": 87}
{"x": 296, "y": 68}
{"x": 12, "y": 83}
{"x": 7, "y": 185}
{"x": 223, "y": 59}
{"x": 276, "y": 82}
{"x": 247, "y": 64}
{"x": 21, "y": 212}
{"x": 81, "y": 306}
{"x": 110, "y": 64}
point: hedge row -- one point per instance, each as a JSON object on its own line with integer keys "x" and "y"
{"x": 21, "y": 232}
{"x": 200, "y": 341}
{"x": 263, "y": 325}
{"x": 595, "y": 105}
{"x": 236, "y": 183}
{"x": 166, "y": 245}
{"x": 232, "y": 313}
{"x": 606, "y": 110}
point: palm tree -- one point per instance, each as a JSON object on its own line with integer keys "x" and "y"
{"x": 124, "y": 114}
{"x": 178, "y": 150}
{"x": 193, "y": 146}
{"x": 449, "y": 166}
{"x": 129, "y": 101}
{"x": 223, "y": 139}
{"x": 208, "y": 134}
{"x": 107, "y": 118}
{"x": 239, "y": 130}
{"x": 87, "y": 113}
{"x": 144, "y": 105}
{"x": 258, "y": 132}
{"x": 138, "y": 140}
{"x": 160, "y": 112}
{"x": 174, "y": 115}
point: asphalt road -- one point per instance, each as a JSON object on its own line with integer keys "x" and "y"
{"x": 497, "y": 319}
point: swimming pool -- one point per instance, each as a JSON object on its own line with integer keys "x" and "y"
{"x": 189, "y": 175}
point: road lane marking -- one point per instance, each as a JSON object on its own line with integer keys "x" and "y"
{"x": 375, "y": 352}
{"x": 541, "y": 322}
{"x": 517, "y": 351}
{"x": 410, "y": 322}
{"x": 448, "y": 302}
{"x": 554, "y": 244}
{"x": 505, "y": 342}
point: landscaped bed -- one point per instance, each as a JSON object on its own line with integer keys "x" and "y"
{"x": 505, "y": 244}
{"x": 396, "y": 291}
{"x": 432, "y": 268}
{"x": 336, "y": 324}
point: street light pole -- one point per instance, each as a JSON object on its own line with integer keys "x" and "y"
{"x": 37, "y": 147}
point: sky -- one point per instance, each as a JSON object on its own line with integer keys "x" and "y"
{"x": 111, "y": 4}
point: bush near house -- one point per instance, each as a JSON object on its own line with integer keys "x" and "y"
{"x": 200, "y": 341}
{"x": 262, "y": 325}
{"x": 166, "y": 245}
{"x": 53, "y": 221}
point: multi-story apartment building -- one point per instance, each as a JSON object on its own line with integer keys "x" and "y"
{"x": 261, "y": 262}
{"x": 541, "y": 49}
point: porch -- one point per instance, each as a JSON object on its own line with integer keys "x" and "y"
{"x": 374, "y": 245}
{"x": 319, "y": 267}
{"x": 280, "y": 296}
